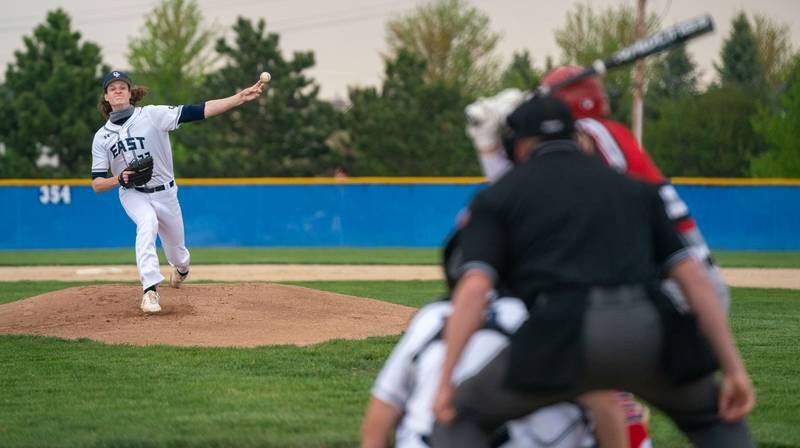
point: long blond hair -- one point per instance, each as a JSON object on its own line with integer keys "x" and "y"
{"x": 137, "y": 94}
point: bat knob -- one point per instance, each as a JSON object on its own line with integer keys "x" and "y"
{"x": 599, "y": 67}
{"x": 541, "y": 91}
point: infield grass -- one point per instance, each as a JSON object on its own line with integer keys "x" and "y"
{"x": 376, "y": 256}
{"x": 11, "y": 291}
{"x": 83, "y": 393}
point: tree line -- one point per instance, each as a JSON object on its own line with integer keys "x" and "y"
{"x": 438, "y": 59}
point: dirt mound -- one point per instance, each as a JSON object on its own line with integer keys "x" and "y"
{"x": 214, "y": 315}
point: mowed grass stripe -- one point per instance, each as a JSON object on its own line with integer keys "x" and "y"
{"x": 374, "y": 256}
{"x": 82, "y": 393}
{"x": 382, "y": 256}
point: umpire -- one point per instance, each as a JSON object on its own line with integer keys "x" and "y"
{"x": 585, "y": 248}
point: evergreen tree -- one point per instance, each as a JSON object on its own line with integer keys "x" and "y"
{"x": 740, "y": 61}
{"x": 674, "y": 75}
{"x": 779, "y": 128}
{"x": 411, "y": 127}
{"x": 49, "y": 101}
{"x": 706, "y": 135}
{"x": 521, "y": 73}
{"x": 282, "y": 133}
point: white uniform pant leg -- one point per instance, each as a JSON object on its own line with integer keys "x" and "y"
{"x": 410, "y": 440}
{"x": 141, "y": 211}
{"x": 694, "y": 240}
{"x": 673, "y": 291}
{"x": 170, "y": 228}
{"x": 715, "y": 275}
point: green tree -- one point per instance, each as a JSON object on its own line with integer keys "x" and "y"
{"x": 283, "y": 133}
{"x": 589, "y": 35}
{"x": 454, "y": 40}
{"x": 673, "y": 75}
{"x": 705, "y": 135}
{"x": 12, "y": 163}
{"x": 521, "y": 73}
{"x": 173, "y": 52}
{"x": 49, "y": 99}
{"x": 740, "y": 61}
{"x": 775, "y": 51}
{"x": 781, "y": 133}
{"x": 411, "y": 127}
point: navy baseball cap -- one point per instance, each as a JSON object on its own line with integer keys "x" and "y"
{"x": 116, "y": 75}
{"x": 548, "y": 118}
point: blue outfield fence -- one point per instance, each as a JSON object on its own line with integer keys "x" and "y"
{"x": 388, "y": 212}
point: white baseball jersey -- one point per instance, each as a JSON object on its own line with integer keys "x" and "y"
{"x": 157, "y": 213}
{"x": 145, "y": 132}
{"x": 409, "y": 379}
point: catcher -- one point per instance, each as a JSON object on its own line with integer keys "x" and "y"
{"x": 401, "y": 403}
{"x": 134, "y": 145}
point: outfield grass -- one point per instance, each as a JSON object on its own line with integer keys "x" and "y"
{"x": 228, "y": 256}
{"x": 82, "y": 393}
{"x": 753, "y": 259}
{"x": 383, "y": 256}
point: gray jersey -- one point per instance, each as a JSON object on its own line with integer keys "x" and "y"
{"x": 145, "y": 132}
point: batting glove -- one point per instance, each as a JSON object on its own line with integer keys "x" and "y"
{"x": 486, "y": 117}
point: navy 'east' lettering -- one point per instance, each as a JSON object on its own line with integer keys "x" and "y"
{"x": 127, "y": 144}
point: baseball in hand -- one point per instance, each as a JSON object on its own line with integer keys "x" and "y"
{"x": 265, "y": 77}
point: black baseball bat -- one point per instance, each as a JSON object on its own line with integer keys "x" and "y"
{"x": 660, "y": 41}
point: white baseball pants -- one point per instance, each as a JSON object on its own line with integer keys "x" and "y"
{"x": 156, "y": 214}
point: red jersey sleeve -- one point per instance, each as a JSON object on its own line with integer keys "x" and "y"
{"x": 618, "y": 148}
{"x": 640, "y": 165}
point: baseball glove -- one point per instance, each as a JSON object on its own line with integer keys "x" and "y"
{"x": 141, "y": 172}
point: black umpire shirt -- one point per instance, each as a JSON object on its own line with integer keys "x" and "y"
{"x": 563, "y": 220}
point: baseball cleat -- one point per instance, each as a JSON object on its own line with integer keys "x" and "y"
{"x": 176, "y": 278}
{"x": 150, "y": 302}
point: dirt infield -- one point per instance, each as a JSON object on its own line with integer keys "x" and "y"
{"x": 212, "y": 315}
{"x": 230, "y": 273}
{"x": 237, "y": 314}
{"x": 738, "y": 277}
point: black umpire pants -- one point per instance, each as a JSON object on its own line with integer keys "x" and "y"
{"x": 622, "y": 342}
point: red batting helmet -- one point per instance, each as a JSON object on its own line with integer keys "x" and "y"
{"x": 586, "y": 98}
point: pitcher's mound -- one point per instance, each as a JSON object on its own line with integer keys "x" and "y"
{"x": 215, "y": 315}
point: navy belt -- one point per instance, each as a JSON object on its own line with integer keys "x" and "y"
{"x": 158, "y": 188}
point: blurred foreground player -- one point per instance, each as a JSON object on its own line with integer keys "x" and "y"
{"x": 618, "y": 148}
{"x": 585, "y": 249}
{"x": 401, "y": 403}
{"x": 486, "y": 117}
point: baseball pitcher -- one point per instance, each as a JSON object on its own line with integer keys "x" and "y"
{"x": 134, "y": 146}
